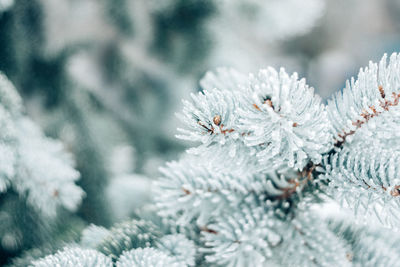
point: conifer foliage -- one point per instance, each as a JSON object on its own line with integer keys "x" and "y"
{"x": 33, "y": 165}
{"x": 37, "y": 176}
{"x": 268, "y": 153}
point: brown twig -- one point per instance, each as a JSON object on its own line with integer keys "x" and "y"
{"x": 303, "y": 178}
{"x": 395, "y": 192}
{"x": 187, "y": 192}
{"x": 208, "y": 230}
{"x": 210, "y": 130}
{"x": 385, "y": 104}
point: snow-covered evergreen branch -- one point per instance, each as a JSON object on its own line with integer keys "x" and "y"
{"x": 33, "y": 165}
{"x": 275, "y": 122}
{"x": 268, "y": 153}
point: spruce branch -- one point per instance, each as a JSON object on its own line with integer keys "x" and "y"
{"x": 277, "y": 123}
{"x": 273, "y": 113}
{"x": 369, "y": 245}
{"x": 307, "y": 241}
{"x": 213, "y": 186}
{"x": 375, "y": 92}
{"x": 74, "y": 257}
{"x": 38, "y": 168}
{"x": 384, "y": 105}
{"x": 245, "y": 237}
{"x": 146, "y": 257}
{"x": 246, "y": 193}
{"x": 128, "y": 235}
{"x": 365, "y": 179}
{"x": 178, "y": 246}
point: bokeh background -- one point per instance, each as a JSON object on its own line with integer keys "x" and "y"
{"x": 107, "y": 76}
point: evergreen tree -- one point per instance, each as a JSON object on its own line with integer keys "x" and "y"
{"x": 268, "y": 154}
{"x": 269, "y": 158}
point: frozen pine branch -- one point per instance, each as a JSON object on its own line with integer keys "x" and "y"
{"x": 128, "y": 235}
{"x": 178, "y": 246}
{"x": 244, "y": 237}
{"x": 131, "y": 243}
{"x": 184, "y": 188}
{"x": 273, "y": 113}
{"x": 75, "y": 257}
{"x": 268, "y": 153}
{"x": 146, "y": 257}
{"x": 252, "y": 128}
{"x": 376, "y": 91}
{"x": 33, "y": 165}
{"x": 93, "y": 236}
{"x": 283, "y": 116}
{"x": 45, "y": 171}
{"x": 194, "y": 182}
{"x": 307, "y": 241}
{"x": 363, "y": 171}
{"x": 368, "y": 245}
{"x": 366, "y": 179}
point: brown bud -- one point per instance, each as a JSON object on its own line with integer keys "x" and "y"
{"x": 217, "y": 120}
{"x": 187, "y": 192}
{"x": 381, "y": 91}
{"x": 395, "y": 192}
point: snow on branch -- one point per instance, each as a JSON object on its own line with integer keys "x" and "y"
{"x": 375, "y": 92}
{"x": 34, "y": 165}
{"x": 146, "y": 257}
{"x": 366, "y": 178}
{"x": 274, "y": 113}
{"x": 74, "y": 257}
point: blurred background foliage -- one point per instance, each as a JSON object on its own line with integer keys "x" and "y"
{"x": 106, "y": 77}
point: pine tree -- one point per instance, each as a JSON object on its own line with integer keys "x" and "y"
{"x": 269, "y": 153}
{"x": 108, "y": 73}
